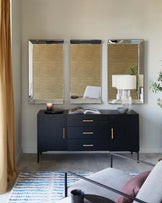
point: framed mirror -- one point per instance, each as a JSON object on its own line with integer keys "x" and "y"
{"x": 85, "y": 71}
{"x": 125, "y": 57}
{"x": 46, "y": 71}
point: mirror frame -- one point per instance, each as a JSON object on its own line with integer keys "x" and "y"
{"x": 30, "y": 74}
{"x": 140, "y": 43}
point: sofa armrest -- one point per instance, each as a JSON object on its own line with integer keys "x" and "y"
{"x": 101, "y": 185}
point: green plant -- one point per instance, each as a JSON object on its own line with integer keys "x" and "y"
{"x": 133, "y": 70}
{"x": 157, "y": 87}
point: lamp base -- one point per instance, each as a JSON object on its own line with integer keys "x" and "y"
{"x": 126, "y": 99}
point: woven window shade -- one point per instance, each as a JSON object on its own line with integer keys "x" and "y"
{"x": 85, "y": 64}
{"x": 48, "y": 71}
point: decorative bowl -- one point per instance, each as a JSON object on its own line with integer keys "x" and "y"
{"x": 122, "y": 109}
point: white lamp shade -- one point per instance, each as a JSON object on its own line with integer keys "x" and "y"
{"x": 114, "y": 79}
{"x": 126, "y": 82}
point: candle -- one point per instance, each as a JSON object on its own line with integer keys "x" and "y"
{"x": 49, "y": 106}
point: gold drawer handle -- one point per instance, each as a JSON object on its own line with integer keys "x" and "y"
{"x": 63, "y": 133}
{"x": 112, "y": 133}
{"x": 88, "y": 145}
{"x": 88, "y": 133}
{"x": 88, "y": 121}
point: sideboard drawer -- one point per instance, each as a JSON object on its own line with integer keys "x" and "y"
{"x": 88, "y": 120}
{"x": 87, "y": 145}
{"x": 88, "y": 132}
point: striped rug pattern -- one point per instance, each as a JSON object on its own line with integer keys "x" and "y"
{"x": 41, "y": 187}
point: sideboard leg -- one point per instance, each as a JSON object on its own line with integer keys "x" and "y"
{"x": 111, "y": 160}
{"x": 38, "y": 157}
{"x": 137, "y": 157}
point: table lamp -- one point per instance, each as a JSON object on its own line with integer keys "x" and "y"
{"x": 124, "y": 83}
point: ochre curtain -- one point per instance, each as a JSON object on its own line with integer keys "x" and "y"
{"x": 8, "y": 169}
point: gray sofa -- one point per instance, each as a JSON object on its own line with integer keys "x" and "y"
{"x": 151, "y": 190}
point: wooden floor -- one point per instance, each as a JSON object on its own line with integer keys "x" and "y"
{"x": 79, "y": 162}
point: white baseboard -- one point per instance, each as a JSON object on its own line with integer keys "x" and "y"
{"x": 142, "y": 150}
{"x": 151, "y": 150}
{"x": 29, "y": 150}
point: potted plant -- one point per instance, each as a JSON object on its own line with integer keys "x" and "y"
{"x": 157, "y": 87}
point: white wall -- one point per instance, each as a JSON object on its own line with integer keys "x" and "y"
{"x": 95, "y": 19}
{"x": 16, "y": 67}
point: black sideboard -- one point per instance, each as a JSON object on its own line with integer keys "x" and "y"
{"x": 108, "y": 131}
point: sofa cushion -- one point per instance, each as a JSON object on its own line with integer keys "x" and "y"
{"x": 132, "y": 187}
{"x": 151, "y": 190}
{"x": 114, "y": 178}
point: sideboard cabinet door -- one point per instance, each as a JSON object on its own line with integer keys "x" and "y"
{"x": 51, "y": 132}
{"x": 125, "y": 133}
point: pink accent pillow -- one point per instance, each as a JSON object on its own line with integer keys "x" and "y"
{"x": 132, "y": 187}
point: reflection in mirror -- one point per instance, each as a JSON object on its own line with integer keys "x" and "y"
{"x": 125, "y": 57}
{"x": 46, "y": 71}
{"x": 85, "y": 67}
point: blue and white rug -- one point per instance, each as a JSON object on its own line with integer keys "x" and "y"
{"x": 41, "y": 187}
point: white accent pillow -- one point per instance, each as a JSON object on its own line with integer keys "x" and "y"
{"x": 151, "y": 190}
{"x": 92, "y": 92}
